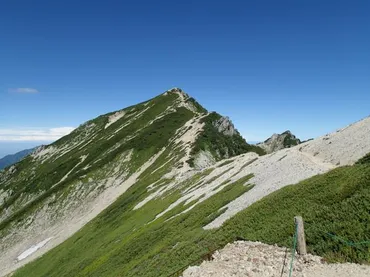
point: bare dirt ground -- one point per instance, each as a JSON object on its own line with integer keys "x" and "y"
{"x": 255, "y": 259}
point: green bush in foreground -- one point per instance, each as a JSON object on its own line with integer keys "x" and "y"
{"x": 364, "y": 160}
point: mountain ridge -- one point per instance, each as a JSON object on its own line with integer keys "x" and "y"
{"x": 121, "y": 185}
{"x": 72, "y": 180}
{"x": 162, "y": 224}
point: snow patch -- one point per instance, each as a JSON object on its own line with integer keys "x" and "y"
{"x": 33, "y": 249}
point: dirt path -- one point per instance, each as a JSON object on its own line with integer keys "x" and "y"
{"x": 255, "y": 259}
{"x": 317, "y": 161}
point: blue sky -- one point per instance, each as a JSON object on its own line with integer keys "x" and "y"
{"x": 268, "y": 65}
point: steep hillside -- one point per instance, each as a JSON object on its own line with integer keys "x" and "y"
{"x": 14, "y": 158}
{"x": 279, "y": 141}
{"x": 219, "y": 140}
{"x": 126, "y": 242}
{"x": 51, "y": 194}
{"x": 166, "y": 221}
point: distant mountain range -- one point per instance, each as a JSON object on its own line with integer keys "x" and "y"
{"x": 14, "y": 158}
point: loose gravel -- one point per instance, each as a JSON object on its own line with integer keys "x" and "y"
{"x": 255, "y": 259}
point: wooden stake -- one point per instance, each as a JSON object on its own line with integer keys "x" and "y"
{"x": 301, "y": 240}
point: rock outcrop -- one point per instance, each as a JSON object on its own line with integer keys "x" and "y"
{"x": 225, "y": 126}
{"x": 279, "y": 141}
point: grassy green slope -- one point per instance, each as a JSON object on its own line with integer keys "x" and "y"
{"x": 78, "y": 166}
{"x": 337, "y": 202}
{"x": 34, "y": 178}
{"x": 119, "y": 243}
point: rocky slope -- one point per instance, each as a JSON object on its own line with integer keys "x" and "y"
{"x": 51, "y": 194}
{"x": 279, "y": 141}
{"x": 255, "y": 259}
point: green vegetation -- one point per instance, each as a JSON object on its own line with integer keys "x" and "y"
{"x": 336, "y": 203}
{"x": 290, "y": 140}
{"x": 85, "y": 158}
{"x": 199, "y": 107}
{"x": 248, "y": 163}
{"x": 14, "y": 158}
{"x": 214, "y": 178}
{"x": 220, "y": 145}
{"x": 118, "y": 243}
{"x": 364, "y": 160}
{"x": 41, "y": 180}
{"x": 225, "y": 163}
{"x": 121, "y": 241}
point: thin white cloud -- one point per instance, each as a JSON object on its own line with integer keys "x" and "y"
{"x": 24, "y": 90}
{"x": 34, "y": 134}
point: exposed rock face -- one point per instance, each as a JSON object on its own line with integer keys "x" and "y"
{"x": 225, "y": 126}
{"x": 279, "y": 141}
{"x": 178, "y": 91}
{"x": 218, "y": 140}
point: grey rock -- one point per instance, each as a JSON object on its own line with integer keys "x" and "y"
{"x": 279, "y": 141}
{"x": 225, "y": 126}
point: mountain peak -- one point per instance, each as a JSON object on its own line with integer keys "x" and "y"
{"x": 159, "y": 140}
{"x": 177, "y": 91}
{"x": 279, "y": 141}
{"x": 184, "y": 100}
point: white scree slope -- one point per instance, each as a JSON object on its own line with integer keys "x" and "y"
{"x": 289, "y": 166}
{"x": 274, "y": 171}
